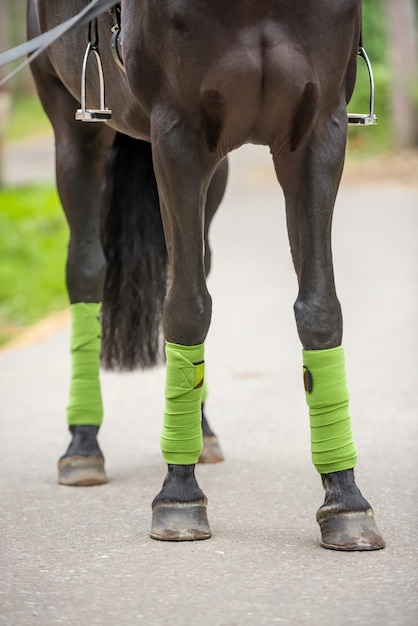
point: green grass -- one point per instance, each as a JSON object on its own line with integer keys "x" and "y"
{"x": 33, "y": 243}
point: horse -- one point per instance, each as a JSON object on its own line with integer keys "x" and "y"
{"x": 191, "y": 83}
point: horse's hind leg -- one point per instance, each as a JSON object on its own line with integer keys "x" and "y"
{"x": 80, "y": 168}
{"x": 310, "y": 177}
{"x": 80, "y": 157}
{"x": 211, "y": 452}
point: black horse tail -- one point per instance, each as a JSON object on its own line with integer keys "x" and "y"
{"x": 134, "y": 246}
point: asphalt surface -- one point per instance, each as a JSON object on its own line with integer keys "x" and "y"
{"x": 82, "y": 556}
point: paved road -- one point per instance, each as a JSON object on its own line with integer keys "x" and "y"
{"x": 30, "y": 161}
{"x": 83, "y": 556}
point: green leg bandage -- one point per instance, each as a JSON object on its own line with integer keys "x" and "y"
{"x": 85, "y": 403}
{"x": 205, "y": 391}
{"x": 326, "y": 389}
{"x": 181, "y": 438}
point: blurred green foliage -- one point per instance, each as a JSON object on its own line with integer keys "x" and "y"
{"x": 368, "y": 140}
{"x": 33, "y": 242}
{"x": 374, "y": 30}
{"x": 27, "y": 118}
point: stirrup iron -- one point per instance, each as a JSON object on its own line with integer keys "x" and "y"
{"x": 92, "y": 115}
{"x": 365, "y": 119}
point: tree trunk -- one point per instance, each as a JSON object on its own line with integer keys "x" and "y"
{"x": 403, "y": 64}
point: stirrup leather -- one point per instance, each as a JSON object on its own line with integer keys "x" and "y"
{"x": 365, "y": 119}
{"x": 92, "y": 115}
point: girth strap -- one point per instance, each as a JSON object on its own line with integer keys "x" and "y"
{"x": 116, "y": 41}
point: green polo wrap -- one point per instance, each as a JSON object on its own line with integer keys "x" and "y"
{"x": 85, "y": 402}
{"x": 181, "y": 437}
{"x": 327, "y": 396}
{"x": 205, "y": 391}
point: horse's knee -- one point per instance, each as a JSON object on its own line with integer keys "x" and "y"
{"x": 319, "y": 322}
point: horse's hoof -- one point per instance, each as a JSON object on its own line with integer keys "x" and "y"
{"x": 81, "y": 471}
{"x": 211, "y": 452}
{"x": 349, "y": 531}
{"x": 180, "y": 521}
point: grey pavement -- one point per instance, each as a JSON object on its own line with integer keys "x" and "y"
{"x": 83, "y": 557}
{"x": 30, "y": 161}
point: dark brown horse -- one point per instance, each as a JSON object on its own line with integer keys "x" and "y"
{"x": 200, "y": 79}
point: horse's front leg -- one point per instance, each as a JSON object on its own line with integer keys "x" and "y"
{"x": 310, "y": 178}
{"x": 179, "y": 510}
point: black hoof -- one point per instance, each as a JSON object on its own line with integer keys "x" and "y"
{"x": 211, "y": 452}
{"x": 349, "y": 531}
{"x": 81, "y": 471}
{"x": 175, "y": 521}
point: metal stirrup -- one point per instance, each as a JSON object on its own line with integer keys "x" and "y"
{"x": 365, "y": 119}
{"x": 92, "y": 115}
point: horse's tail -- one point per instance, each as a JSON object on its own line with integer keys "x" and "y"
{"x": 134, "y": 246}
